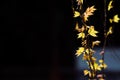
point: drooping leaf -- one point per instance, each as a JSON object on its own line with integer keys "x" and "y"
{"x": 86, "y": 72}
{"x": 76, "y": 14}
{"x": 81, "y": 35}
{"x": 89, "y": 11}
{"x": 92, "y": 31}
{"x": 110, "y": 31}
{"x": 116, "y": 18}
{"x": 95, "y": 66}
{"x": 110, "y": 5}
{"x": 111, "y": 20}
{"x": 79, "y": 51}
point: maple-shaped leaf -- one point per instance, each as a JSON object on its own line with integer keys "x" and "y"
{"x": 81, "y": 35}
{"x": 79, "y": 51}
{"x": 95, "y": 66}
{"x": 89, "y": 11}
{"x": 110, "y": 5}
{"x": 92, "y": 31}
{"x": 116, "y": 18}
{"x": 76, "y": 14}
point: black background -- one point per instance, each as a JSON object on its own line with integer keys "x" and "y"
{"x": 38, "y": 41}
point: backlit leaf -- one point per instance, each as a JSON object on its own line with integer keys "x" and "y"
{"x": 116, "y": 18}
{"x": 92, "y": 31}
{"x": 81, "y": 35}
{"x": 89, "y": 11}
{"x": 110, "y": 5}
{"x": 79, "y": 51}
{"x": 76, "y": 14}
{"x": 86, "y": 72}
{"x": 101, "y": 61}
{"x": 103, "y": 65}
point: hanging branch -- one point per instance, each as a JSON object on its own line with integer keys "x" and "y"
{"x": 86, "y": 31}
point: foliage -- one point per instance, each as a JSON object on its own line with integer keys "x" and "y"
{"x": 86, "y": 32}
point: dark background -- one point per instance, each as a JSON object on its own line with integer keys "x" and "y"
{"x": 38, "y": 41}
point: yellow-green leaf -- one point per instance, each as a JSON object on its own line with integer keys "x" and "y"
{"x": 103, "y": 65}
{"x": 86, "y": 72}
{"x": 76, "y": 14}
{"x": 80, "y": 51}
{"x": 89, "y": 11}
{"x": 110, "y": 5}
{"x": 101, "y": 61}
{"x": 116, "y": 18}
{"x": 111, "y": 20}
{"x": 110, "y": 31}
{"x": 92, "y": 31}
{"x": 81, "y": 35}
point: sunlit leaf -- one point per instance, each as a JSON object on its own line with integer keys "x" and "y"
{"x": 110, "y": 20}
{"x": 101, "y": 61}
{"x": 116, "y": 18}
{"x": 89, "y": 11}
{"x": 92, "y": 31}
{"x": 110, "y": 5}
{"x": 110, "y": 31}
{"x": 79, "y": 51}
{"x": 80, "y": 2}
{"x": 81, "y": 35}
{"x": 76, "y": 14}
{"x": 86, "y": 72}
{"x": 97, "y": 67}
{"x": 103, "y": 65}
